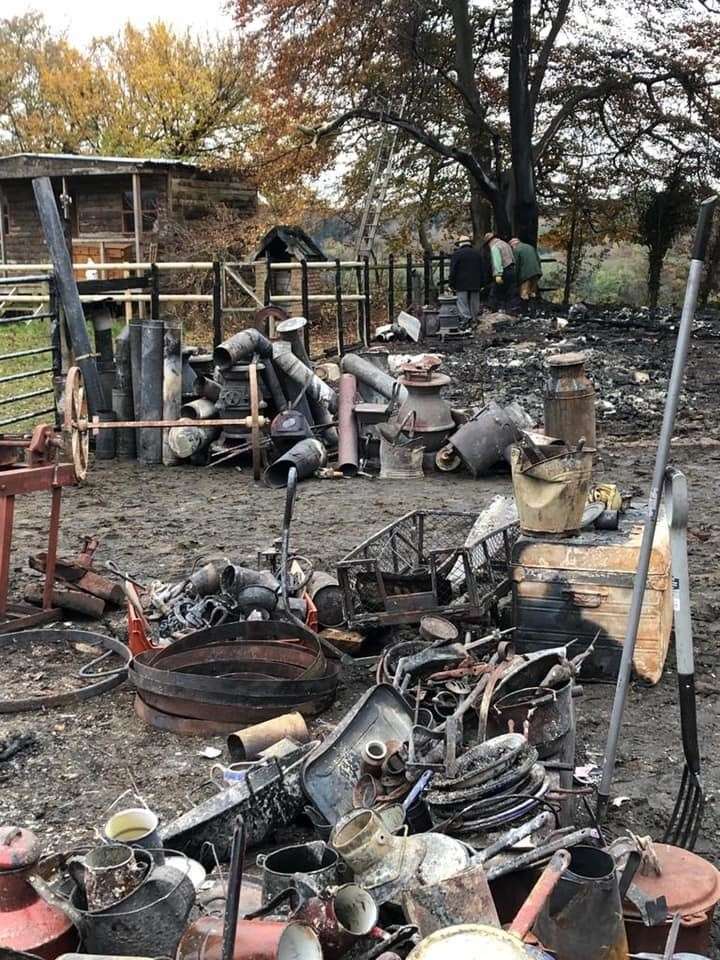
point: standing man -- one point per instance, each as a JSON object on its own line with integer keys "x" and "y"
{"x": 468, "y": 276}
{"x": 503, "y": 269}
{"x": 527, "y": 268}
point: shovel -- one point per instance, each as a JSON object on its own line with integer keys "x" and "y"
{"x": 685, "y": 820}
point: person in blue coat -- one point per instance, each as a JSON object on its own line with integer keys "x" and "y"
{"x": 469, "y": 275}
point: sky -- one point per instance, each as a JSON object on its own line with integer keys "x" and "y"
{"x": 84, "y": 19}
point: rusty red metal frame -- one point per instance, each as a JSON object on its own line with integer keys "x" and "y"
{"x": 15, "y": 481}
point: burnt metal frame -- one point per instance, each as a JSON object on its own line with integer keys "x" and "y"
{"x": 15, "y": 481}
{"x": 400, "y": 609}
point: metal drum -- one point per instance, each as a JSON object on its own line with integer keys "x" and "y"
{"x": 569, "y": 400}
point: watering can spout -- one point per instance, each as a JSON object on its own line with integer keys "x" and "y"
{"x": 45, "y": 891}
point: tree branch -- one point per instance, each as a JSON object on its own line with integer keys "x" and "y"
{"x": 545, "y": 52}
{"x": 463, "y": 157}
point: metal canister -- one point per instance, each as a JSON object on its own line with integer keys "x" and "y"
{"x": 569, "y": 400}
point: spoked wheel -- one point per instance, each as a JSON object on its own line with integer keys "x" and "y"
{"x": 76, "y": 422}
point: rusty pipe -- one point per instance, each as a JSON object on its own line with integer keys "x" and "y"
{"x": 549, "y": 879}
{"x": 347, "y": 426}
{"x": 247, "y": 744}
{"x": 242, "y": 346}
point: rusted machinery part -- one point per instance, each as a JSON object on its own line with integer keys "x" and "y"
{"x": 255, "y": 427}
{"x": 76, "y": 410}
{"x": 71, "y": 696}
{"x": 185, "y": 726}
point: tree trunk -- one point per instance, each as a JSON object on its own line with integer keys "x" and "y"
{"x": 709, "y": 282}
{"x": 525, "y": 212}
{"x": 656, "y": 256}
{"x": 569, "y": 257}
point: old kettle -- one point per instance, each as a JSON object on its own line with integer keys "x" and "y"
{"x": 147, "y": 922}
{"x": 27, "y": 923}
{"x": 583, "y": 917}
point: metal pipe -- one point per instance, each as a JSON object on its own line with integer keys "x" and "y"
{"x": 672, "y": 402}
{"x": 293, "y": 331}
{"x": 242, "y": 346}
{"x": 172, "y": 386}
{"x": 151, "y": 390}
{"x": 366, "y": 372}
{"x": 186, "y": 440}
{"x": 271, "y": 381}
{"x": 248, "y": 743}
{"x": 123, "y": 364}
{"x": 105, "y": 440}
{"x": 200, "y": 409}
{"x": 347, "y": 426}
{"x": 135, "y": 337}
{"x": 125, "y": 446}
{"x": 294, "y": 368}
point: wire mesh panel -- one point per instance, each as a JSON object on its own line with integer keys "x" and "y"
{"x": 425, "y": 562}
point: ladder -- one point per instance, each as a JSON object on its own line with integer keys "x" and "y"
{"x": 377, "y": 189}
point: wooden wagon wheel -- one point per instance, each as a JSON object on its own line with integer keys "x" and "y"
{"x": 75, "y": 422}
{"x": 255, "y": 424}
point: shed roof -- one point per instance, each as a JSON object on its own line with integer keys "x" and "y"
{"x": 298, "y": 243}
{"x": 18, "y": 166}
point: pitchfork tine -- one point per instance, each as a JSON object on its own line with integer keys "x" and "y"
{"x": 686, "y": 818}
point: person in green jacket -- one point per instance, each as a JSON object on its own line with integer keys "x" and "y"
{"x": 527, "y": 268}
{"x": 502, "y": 263}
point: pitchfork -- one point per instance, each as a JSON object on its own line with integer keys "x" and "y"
{"x": 684, "y": 824}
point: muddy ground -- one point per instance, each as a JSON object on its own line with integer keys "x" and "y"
{"x": 156, "y": 522}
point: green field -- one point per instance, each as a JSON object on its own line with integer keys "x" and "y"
{"x": 15, "y": 338}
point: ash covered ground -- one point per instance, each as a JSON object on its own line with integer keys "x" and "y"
{"x": 156, "y": 522}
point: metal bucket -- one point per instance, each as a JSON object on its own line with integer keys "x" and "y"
{"x": 306, "y": 456}
{"x": 315, "y": 861}
{"x": 137, "y": 827}
{"x": 551, "y": 494}
{"x": 254, "y": 940}
{"x": 400, "y": 462}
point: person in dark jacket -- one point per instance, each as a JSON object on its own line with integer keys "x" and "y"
{"x": 468, "y": 276}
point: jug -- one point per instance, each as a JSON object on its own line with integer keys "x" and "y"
{"x": 583, "y": 918}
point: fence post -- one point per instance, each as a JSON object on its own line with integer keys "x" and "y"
{"x": 217, "y": 305}
{"x": 408, "y": 281}
{"x": 305, "y": 296}
{"x": 339, "y": 309}
{"x": 268, "y": 288}
{"x": 427, "y": 274}
{"x": 154, "y": 292}
{"x": 366, "y": 282}
{"x": 441, "y": 284}
{"x": 391, "y": 287}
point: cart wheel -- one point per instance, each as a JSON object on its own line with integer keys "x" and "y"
{"x": 75, "y": 422}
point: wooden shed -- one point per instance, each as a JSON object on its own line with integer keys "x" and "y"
{"x": 287, "y": 244}
{"x": 115, "y": 205}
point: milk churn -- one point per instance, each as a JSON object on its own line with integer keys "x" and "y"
{"x": 27, "y": 923}
{"x": 569, "y": 400}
